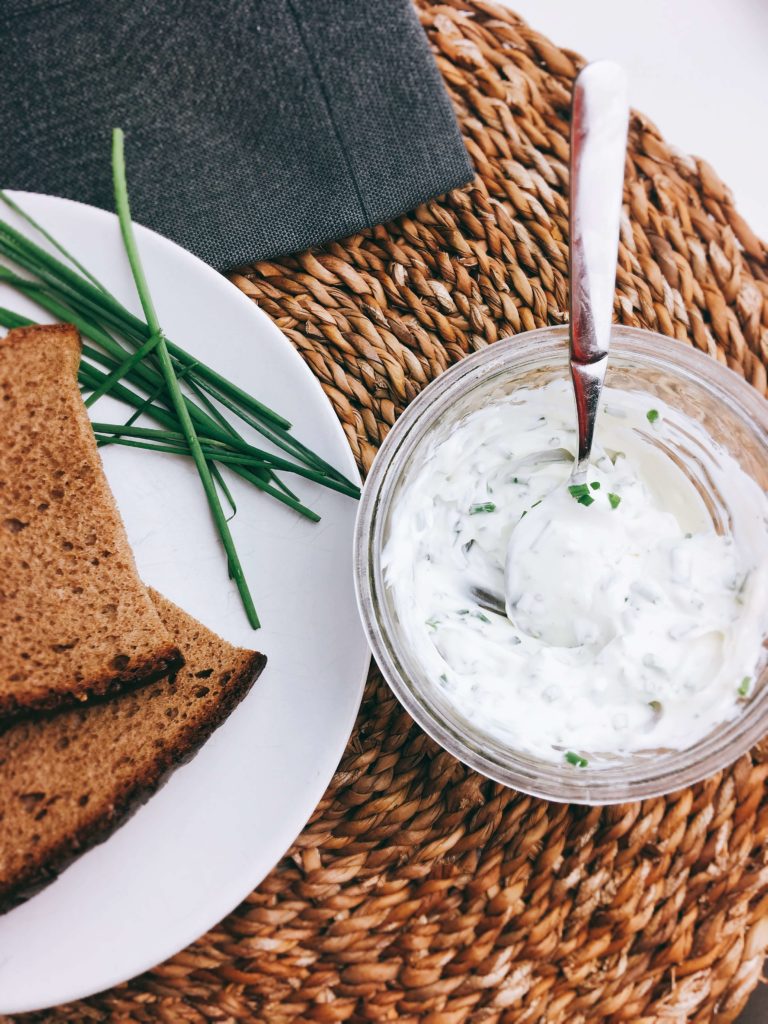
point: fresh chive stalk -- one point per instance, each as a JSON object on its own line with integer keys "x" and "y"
{"x": 224, "y": 423}
{"x": 10, "y": 319}
{"x": 238, "y": 453}
{"x": 49, "y": 238}
{"x": 211, "y": 431}
{"x": 222, "y": 485}
{"x": 120, "y": 371}
{"x": 177, "y": 399}
{"x": 253, "y": 474}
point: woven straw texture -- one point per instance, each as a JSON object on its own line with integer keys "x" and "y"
{"x": 419, "y": 891}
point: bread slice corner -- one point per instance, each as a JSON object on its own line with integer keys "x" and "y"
{"x": 70, "y": 779}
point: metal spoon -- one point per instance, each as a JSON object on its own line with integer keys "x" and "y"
{"x": 599, "y": 122}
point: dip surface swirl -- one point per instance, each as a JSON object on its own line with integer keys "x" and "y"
{"x": 644, "y": 638}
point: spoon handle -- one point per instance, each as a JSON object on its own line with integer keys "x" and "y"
{"x": 599, "y": 121}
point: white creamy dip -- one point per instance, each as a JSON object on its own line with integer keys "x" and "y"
{"x": 635, "y": 625}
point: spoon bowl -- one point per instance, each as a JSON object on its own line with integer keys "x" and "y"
{"x": 551, "y": 552}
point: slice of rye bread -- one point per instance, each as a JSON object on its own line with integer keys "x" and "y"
{"x": 68, "y": 780}
{"x": 75, "y": 619}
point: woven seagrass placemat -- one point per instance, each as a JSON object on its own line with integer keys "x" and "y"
{"x": 419, "y": 891}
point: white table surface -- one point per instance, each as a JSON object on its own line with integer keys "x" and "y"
{"x": 699, "y": 70}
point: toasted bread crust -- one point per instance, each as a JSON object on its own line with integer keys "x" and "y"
{"x": 130, "y": 798}
{"x": 167, "y": 661}
{"x": 61, "y": 334}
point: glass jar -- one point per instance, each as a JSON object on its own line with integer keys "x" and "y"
{"x": 733, "y": 414}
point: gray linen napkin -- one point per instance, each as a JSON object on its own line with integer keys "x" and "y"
{"x": 253, "y": 127}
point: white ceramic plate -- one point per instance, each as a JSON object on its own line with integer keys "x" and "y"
{"x": 199, "y": 846}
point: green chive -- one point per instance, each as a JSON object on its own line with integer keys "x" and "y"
{"x": 652, "y": 415}
{"x": 120, "y": 371}
{"x": 239, "y": 453}
{"x": 205, "y": 423}
{"x": 255, "y": 474}
{"x": 10, "y": 319}
{"x": 614, "y": 499}
{"x": 483, "y": 506}
{"x": 744, "y": 686}
{"x": 595, "y": 485}
{"x": 576, "y": 759}
{"x": 581, "y": 493}
{"x": 222, "y": 483}
{"x": 49, "y": 238}
{"x": 130, "y": 398}
{"x": 177, "y": 400}
{"x": 283, "y": 495}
